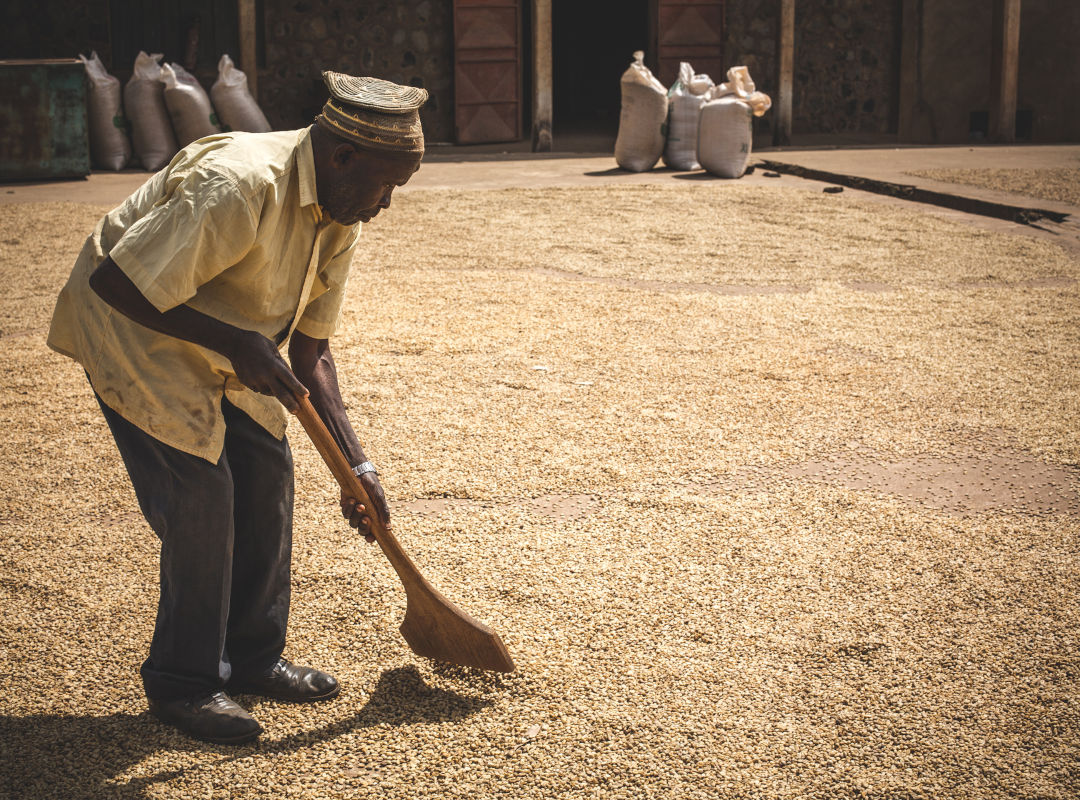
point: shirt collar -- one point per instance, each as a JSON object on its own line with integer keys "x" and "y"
{"x": 305, "y": 173}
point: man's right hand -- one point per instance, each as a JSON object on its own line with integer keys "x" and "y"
{"x": 259, "y": 366}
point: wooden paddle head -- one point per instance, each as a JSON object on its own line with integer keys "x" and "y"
{"x": 436, "y": 628}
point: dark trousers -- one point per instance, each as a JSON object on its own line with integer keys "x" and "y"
{"x": 226, "y": 548}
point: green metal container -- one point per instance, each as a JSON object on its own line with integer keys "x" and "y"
{"x": 43, "y": 129}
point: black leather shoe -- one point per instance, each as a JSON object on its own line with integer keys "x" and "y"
{"x": 212, "y": 718}
{"x": 288, "y": 682}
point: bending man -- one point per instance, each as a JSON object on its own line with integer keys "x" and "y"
{"x": 176, "y": 309}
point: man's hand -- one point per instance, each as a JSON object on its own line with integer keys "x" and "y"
{"x": 259, "y": 366}
{"x": 357, "y": 513}
{"x": 313, "y": 364}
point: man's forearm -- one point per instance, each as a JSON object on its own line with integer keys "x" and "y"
{"x": 255, "y": 359}
{"x": 313, "y": 364}
{"x": 183, "y": 322}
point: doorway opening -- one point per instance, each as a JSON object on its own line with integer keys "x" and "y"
{"x": 592, "y": 45}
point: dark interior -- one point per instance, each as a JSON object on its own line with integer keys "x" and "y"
{"x": 593, "y": 43}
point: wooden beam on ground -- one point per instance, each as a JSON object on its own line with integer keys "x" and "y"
{"x": 543, "y": 116}
{"x": 1005, "y": 70}
{"x": 246, "y": 19}
{"x": 785, "y": 72}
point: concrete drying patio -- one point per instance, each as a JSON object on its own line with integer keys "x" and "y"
{"x": 770, "y": 493}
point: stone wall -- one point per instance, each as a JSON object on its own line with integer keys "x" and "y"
{"x": 847, "y": 63}
{"x": 406, "y": 41}
{"x": 750, "y": 40}
{"x": 847, "y": 55}
{"x": 1050, "y": 69}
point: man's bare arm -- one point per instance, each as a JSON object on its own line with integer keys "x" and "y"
{"x": 313, "y": 364}
{"x": 255, "y": 360}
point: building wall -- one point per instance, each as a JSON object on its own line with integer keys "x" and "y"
{"x": 750, "y": 41}
{"x": 406, "y": 41}
{"x": 1050, "y": 68}
{"x": 846, "y": 57}
{"x": 952, "y": 81}
{"x": 54, "y": 29}
{"x": 951, "y": 72}
{"x": 847, "y": 60}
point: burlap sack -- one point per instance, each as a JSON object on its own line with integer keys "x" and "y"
{"x": 109, "y": 145}
{"x": 725, "y": 135}
{"x": 189, "y": 106}
{"x": 235, "y": 106}
{"x": 685, "y": 98}
{"x": 640, "y": 141}
{"x": 144, "y": 98}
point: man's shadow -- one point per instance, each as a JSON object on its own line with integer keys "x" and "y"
{"x": 51, "y": 755}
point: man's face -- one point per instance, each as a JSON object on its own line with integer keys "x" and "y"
{"x": 362, "y": 183}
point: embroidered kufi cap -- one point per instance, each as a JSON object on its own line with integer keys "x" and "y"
{"x": 373, "y": 113}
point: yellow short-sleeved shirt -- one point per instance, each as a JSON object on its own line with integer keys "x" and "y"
{"x": 232, "y": 227}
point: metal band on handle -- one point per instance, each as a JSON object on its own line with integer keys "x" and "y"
{"x": 360, "y": 469}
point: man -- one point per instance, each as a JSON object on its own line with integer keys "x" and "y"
{"x": 176, "y": 309}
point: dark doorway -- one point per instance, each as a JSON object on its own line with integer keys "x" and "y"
{"x": 592, "y": 45}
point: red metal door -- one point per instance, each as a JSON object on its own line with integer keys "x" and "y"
{"x": 690, "y": 30}
{"x": 487, "y": 70}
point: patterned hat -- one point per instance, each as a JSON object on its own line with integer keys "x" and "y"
{"x": 373, "y": 113}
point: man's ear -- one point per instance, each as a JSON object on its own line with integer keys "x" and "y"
{"x": 342, "y": 155}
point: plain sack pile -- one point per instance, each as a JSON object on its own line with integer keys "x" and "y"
{"x": 695, "y": 124}
{"x": 167, "y": 109}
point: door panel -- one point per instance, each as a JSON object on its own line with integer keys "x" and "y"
{"x": 487, "y": 70}
{"x": 690, "y": 30}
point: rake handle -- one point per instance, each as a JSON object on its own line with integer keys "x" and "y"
{"x": 433, "y": 627}
{"x": 331, "y": 453}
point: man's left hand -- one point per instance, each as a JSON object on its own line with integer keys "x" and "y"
{"x": 358, "y": 515}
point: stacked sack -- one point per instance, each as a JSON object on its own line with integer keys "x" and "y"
{"x": 109, "y": 145}
{"x": 167, "y": 110}
{"x": 189, "y": 106}
{"x": 685, "y": 99}
{"x": 144, "y": 96}
{"x": 640, "y": 140}
{"x": 236, "y": 108}
{"x": 696, "y": 124}
{"x": 725, "y": 137}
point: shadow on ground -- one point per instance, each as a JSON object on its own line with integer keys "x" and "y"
{"x": 76, "y": 757}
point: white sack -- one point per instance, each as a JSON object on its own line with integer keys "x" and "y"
{"x": 189, "y": 106}
{"x": 144, "y": 98}
{"x": 725, "y": 136}
{"x": 235, "y": 106}
{"x": 109, "y": 145}
{"x": 640, "y": 141}
{"x": 685, "y": 98}
{"x": 740, "y": 84}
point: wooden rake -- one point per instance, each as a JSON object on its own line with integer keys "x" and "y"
{"x": 433, "y": 627}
